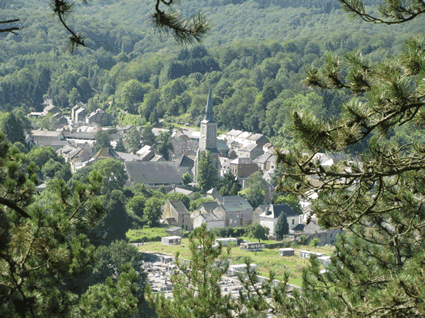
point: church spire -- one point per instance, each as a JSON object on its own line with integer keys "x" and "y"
{"x": 209, "y": 112}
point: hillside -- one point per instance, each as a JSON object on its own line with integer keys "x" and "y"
{"x": 254, "y": 59}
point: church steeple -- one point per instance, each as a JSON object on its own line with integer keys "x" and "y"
{"x": 209, "y": 111}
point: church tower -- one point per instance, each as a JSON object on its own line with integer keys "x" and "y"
{"x": 208, "y": 139}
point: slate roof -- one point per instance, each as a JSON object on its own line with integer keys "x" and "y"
{"x": 179, "y": 206}
{"x": 128, "y": 156}
{"x": 209, "y": 111}
{"x": 208, "y": 206}
{"x": 56, "y": 144}
{"x": 106, "y": 153}
{"x": 151, "y": 172}
{"x": 299, "y": 227}
{"x": 234, "y": 132}
{"x": 46, "y": 133}
{"x": 181, "y": 190}
{"x": 279, "y": 208}
{"x": 249, "y": 147}
{"x": 185, "y": 161}
{"x": 263, "y": 158}
{"x": 234, "y": 203}
{"x": 79, "y": 135}
{"x": 256, "y": 137}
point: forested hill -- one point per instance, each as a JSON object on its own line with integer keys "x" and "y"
{"x": 254, "y": 59}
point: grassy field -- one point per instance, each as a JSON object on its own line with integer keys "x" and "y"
{"x": 147, "y": 235}
{"x": 266, "y": 260}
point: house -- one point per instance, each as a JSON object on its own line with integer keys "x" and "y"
{"x": 55, "y": 144}
{"x": 325, "y": 260}
{"x": 270, "y": 163}
{"x": 146, "y": 153}
{"x": 224, "y": 165}
{"x": 106, "y": 153}
{"x": 78, "y": 112}
{"x": 212, "y": 193}
{"x": 175, "y": 213}
{"x": 154, "y": 174}
{"x": 232, "y": 135}
{"x": 158, "y": 158}
{"x": 261, "y": 161}
{"x": 268, "y": 148}
{"x": 213, "y": 219}
{"x": 43, "y": 134}
{"x": 100, "y": 117}
{"x": 326, "y": 236}
{"x": 185, "y": 164}
{"x": 237, "y": 210}
{"x": 252, "y": 246}
{"x": 270, "y": 216}
{"x": 171, "y": 240}
{"x": 189, "y": 193}
{"x": 258, "y": 211}
{"x": 258, "y": 139}
{"x": 243, "y": 138}
{"x": 79, "y": 159}
{"x": 243, "y": 167}
{"x": 127, "y": 157}
{"x": 286, "y": 251}
{"x": 60, "y": 120}
{"x": 51, "y": 109}
{"x": 80, "y": 136}
{"x": 250, "y": 151}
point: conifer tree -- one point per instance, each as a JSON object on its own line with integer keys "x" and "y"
{"x": 207, "y": 171}
{"x": 377, "y": 197}
{"x": 282, "y": 226}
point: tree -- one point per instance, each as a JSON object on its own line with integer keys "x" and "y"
{"x": 148, "y": 137}
{"x": 183, "y": 31}
{"x": 113, "y": 172}
{"x": 163, "y": 144}
{"x": 314, "y": 242}
{"x": 41, "y": 155}
{"x": 50, "y": 168}
{"x": 103, "y": 140}
{"x": 36, "y": 274}
{"x": 136, "y": 205}
{"x": 255, "y": 193}
{"x": 179, "y": 196}
{"x": 196, "y": 289}
{"x": 378, "y": 197}
{"x": 134, "y": 140}
{"x": 12, "y": 128}
{"x": 152, "y": 212}
{"x": 187, "y": 178}
{"x": 115, "y": 223}
{"x": 120, "y": 146}
{"x": 256, "y": 230}
{"x": 290, "y": 200}
{"x": 207, "y": 171}
{"x": 282, "y": 226}
{"x": 229, "y": 185}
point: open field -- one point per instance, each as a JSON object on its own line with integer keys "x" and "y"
{"x": 267, "y": 260}
{"x": 147, "y": 235}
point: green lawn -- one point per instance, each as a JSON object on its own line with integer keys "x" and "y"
{"x": 147, "y": 235}
{"x": 266, "y": 260}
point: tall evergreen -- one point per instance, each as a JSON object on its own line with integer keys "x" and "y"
{"x": 378, "y": 196}
{"x": 12, "y": 128}
{"x": 207, "y": 176}
{"x": 282, "y": 226}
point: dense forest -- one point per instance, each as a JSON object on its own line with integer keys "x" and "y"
{"x": 141, "y": 76}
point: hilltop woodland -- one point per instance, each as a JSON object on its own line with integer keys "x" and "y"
{"x": 362, "y": 91}
{"x": 140, "y": 76}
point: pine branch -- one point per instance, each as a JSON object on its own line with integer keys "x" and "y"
{"x": 13, "y": 206}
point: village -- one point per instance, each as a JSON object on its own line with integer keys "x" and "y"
{"x": 237, "y": 152}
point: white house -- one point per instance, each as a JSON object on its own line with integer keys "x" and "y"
{"x": 272, "y": 213}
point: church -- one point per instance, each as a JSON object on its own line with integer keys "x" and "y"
{"x": 208, "y": 139}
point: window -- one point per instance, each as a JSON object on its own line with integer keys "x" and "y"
{"x": 293, "y": 221}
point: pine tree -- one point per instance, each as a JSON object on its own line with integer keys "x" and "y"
{"x": 377, "y": 197}
{"x": 148, "y": 137}
{"x": 12, "y": 128}
{"x": 134, "y": 140}
{"x": 207, "y": 171}
{"x": 282, "y": 226}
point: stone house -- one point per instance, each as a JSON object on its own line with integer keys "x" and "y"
{"x": 312, "y": 230}
{"x": 100, "y": 117}
{"x": 175, "y": 213}
{"x": 251, "y": 151}
{"x": 237, "y": 210}
{"x": 243, "y": 167}
{"x": 41, "y": 135}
